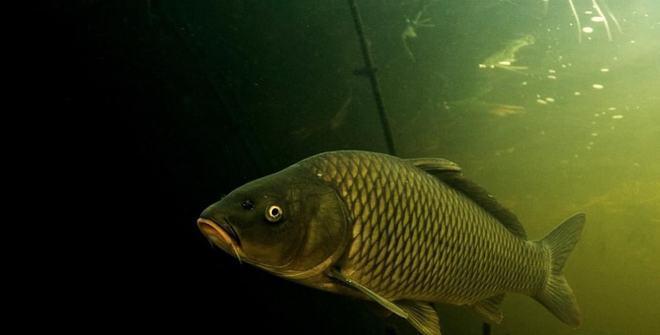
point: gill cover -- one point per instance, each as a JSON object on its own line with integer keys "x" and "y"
{"x": 323, "y": 215}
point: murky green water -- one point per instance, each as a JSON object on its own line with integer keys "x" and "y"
{"x": 551, "y": 121}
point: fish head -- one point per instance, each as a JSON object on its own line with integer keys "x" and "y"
{"x": 289, "y": 223}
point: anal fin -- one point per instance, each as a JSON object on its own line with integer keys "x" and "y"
{"x": 489, "y": 309}
{"x": 422, "y": 316}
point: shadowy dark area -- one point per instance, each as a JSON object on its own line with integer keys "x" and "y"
{"x": 159, "y": 140}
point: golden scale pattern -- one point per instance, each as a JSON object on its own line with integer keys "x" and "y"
{"x": 414, "y": 237}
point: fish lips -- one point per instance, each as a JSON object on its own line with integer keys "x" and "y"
{"x": 219, "y": 232}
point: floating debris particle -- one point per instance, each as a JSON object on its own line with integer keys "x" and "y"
{"x": 541, "y": 101}
{"x": 611, "y": 109}
{"x": 594, "y": 134}
{"x": 553, "y": 77}
{"x": 552, "y": 71}
{"x": 598, "y": 86}
{"x": 550, "y": 99}
{"x": 524, "y": 83}
{"x": 604, "y": 70}
{"x": 587, "y": 30}
{"x": 596, "y": 114}
{"x": 577, "y": 93}
{"x": 597, "y": 19}
{"x": 617, "y": 117}
{"x": 505, "y": 110}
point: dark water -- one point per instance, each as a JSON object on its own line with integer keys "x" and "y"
{"x": 217, "y": 93}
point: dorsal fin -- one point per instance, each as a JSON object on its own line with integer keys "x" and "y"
{"x": 432, "y": 165}
{"x": 450, "y": 173}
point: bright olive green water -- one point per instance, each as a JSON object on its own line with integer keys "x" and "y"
{"x": 596, "y": 152}
{"x": 561, "y": 126}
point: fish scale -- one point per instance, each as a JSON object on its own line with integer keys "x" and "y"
{"x": 431, "y": 242}
{"x": 402, "y": 233}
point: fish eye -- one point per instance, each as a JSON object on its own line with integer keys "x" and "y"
{"x": 273, "y": 213}
{"x": 247, "y": 204}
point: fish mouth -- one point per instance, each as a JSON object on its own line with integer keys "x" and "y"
{"x": 219, "y": 233}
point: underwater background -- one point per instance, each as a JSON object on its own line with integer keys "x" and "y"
{"x": 551, "y": 117}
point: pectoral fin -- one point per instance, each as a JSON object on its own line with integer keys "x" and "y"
{"x": 489, "y": 309}
{"x": 333, "y": 273}
{"x": 422, "y": 316}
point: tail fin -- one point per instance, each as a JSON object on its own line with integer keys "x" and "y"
{"x": 557, "y": 296}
